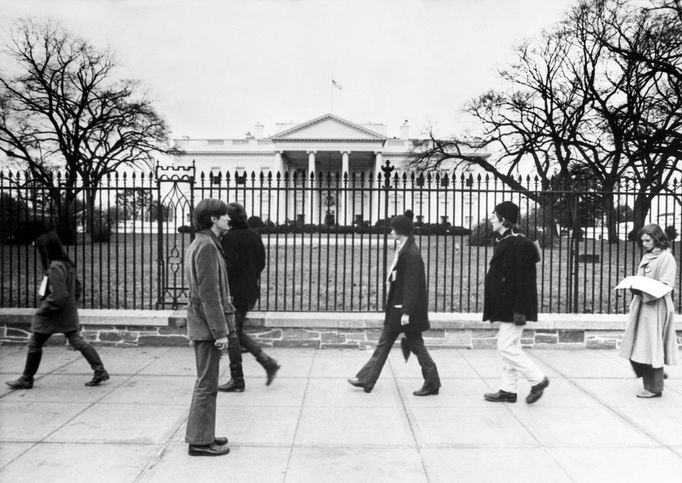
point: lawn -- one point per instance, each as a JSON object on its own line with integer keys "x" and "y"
{"x": 330, "y": 273}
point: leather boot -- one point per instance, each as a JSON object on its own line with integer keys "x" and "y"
{"x": 33, "y": 357}
{"x": 271, "y": 367}
{"x": 233, "y": 385}
{"x": 20, "y": 383}
{"x": 98, "y": 377}
{"x": 91, "y": 355}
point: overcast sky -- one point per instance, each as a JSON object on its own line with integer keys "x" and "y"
{"x": 216, "y": 67}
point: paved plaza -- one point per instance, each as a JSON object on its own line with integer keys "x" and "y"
{"x": 310, "y": 425}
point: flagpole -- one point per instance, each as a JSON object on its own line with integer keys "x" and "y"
{"x": 331, "y": 94}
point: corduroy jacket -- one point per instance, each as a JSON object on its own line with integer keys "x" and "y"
{"x": 210, "y": 313}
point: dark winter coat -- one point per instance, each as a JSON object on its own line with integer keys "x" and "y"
{"x": 245, "y": 257}
{"x": 58, "y": 312}
{"x": 510, "y": 284}
{"x": 408, "y": 290}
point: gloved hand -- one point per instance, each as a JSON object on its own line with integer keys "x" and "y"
{"x": 635, "y": 291}
{"x": 519, "y": 319}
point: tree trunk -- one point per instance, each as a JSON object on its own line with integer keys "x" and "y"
{"x": 611, "y": 217}
{"x": 66, "y": 215}
{"x": 641, "y": 210}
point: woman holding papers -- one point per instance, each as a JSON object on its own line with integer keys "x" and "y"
{"x": 649, "y": 340}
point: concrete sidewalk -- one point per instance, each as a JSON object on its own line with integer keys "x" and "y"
{"x": 310, "y": 425}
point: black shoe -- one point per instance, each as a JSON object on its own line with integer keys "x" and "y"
{"x": 233, "y": 386}
{"x": 537, "y": 390}
{"x": 354, "y": 381}
{"x": 207, "y": 450}
{"x": 220, "y": 440}
{"x": 271, "y": 372}
{"x": 97, "y": 378}
{"x": 648, "y": 394}
{"x": 424, "y": 391}
{"x": 20, "y": 383}
{"x": 500, "y": 396}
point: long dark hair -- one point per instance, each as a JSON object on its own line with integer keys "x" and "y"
{"x": 658, "y": 236}
{"x": 50, "y": 248}
{"x": 237, "y": 215}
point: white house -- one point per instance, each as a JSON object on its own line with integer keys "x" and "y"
{"x": 326, "y": 144}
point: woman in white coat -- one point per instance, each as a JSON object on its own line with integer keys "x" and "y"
{"x": 650, "y": 341}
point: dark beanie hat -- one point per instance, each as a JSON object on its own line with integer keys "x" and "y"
{"x": 402, "y": 225}
{"x": 509, "y": 211}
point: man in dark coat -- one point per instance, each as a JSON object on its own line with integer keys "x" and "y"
{"x": 511, "y": 299}
{"x": 245, "y": 258}
{"x": 406, "y": 311}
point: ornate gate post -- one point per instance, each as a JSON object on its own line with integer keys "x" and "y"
{"x": 175, "y": 191}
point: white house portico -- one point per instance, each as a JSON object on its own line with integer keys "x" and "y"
{"x": 327, "y": 145}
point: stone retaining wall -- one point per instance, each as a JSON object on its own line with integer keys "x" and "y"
{"x": 329, "y": 330}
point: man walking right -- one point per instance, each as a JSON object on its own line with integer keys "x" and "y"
{"x": 511, "y": 299}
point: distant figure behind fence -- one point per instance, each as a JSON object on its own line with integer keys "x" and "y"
{"x": 59, "y": 294}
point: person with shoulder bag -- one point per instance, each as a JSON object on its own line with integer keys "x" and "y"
{"x": 59, "y": 292}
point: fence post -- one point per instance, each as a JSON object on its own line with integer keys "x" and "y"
{"x": 387, "y": 169}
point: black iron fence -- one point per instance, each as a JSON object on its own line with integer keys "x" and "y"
{"x": 326, "y": 236}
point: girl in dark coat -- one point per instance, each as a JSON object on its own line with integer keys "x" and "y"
{"x": 245, "y": 258}
{"x": 57, "y": 313}
{"x": 406, "y": 311}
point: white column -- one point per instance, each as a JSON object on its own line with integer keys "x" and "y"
{"x": 345, "y": 216}
{"x": 377, "y": 199}
{"x": 345, "y": 163}
{"x": 274, "y": 197}
{"x": 315, "y": 215}
{"x": 279, "y": 165}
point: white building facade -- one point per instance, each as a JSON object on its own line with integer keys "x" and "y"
{"x": 348, "y": 155}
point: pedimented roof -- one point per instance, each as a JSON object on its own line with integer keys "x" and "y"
{"x": 328, "y": 127}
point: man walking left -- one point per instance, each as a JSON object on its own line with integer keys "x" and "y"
{"x": 210, "y": 322}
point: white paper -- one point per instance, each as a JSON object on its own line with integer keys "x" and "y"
{"x": 43, "y": 287}
{"x": 645, "y": 284}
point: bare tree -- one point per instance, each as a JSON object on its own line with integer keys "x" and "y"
{"x": 649, "y": 45}
{"x": 602, "y": 89}
{"x": 526, "y": 127}
{"x": 63, "y": 108}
